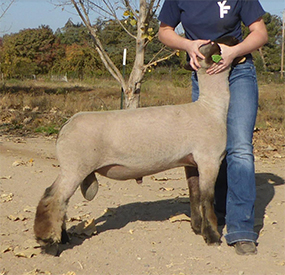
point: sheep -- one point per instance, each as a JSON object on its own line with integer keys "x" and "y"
{"x": 131, "y": 144}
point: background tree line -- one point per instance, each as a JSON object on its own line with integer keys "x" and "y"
{"x": 70, "y": 50}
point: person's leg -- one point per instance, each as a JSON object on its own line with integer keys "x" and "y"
{"x": 240, "y": 160}
{"x": 240, "y": 171}
{"x": 195, "y": 87}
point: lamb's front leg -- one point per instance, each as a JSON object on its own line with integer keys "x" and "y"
{"x": 207, "y": 181}
{"x": 192, "y": 177}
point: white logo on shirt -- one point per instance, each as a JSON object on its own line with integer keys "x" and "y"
{"x": 223, "y": 8}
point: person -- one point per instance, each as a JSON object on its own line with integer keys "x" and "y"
{"x": 207, "y": 20}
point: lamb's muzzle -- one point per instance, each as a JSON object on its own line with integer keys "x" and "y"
{"x": 131, "y": 144}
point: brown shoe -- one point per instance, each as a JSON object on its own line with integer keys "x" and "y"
{"x": 245, "y": 248}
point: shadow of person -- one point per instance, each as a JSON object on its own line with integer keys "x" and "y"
{"x": 265, "y": 183}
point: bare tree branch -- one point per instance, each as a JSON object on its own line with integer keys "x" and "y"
{"x": 6, "y": 7}
{"x": 108, "y": 63}
{"x": 155, "y": 61}
{"x": 130, "y": 8}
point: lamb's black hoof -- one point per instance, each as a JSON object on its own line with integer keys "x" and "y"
{"x": 64, "y": 237}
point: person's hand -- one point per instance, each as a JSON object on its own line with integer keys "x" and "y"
{"x": 228, "y": 55}
{"x": 193, "y": 51}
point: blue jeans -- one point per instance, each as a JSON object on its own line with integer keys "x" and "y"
{"x": 235, "y": 190}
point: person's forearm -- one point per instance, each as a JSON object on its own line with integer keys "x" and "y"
{"x": 171, "y": 39}
{"x": 256, "y": 39}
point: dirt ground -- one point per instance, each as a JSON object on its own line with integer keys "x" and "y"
{"x": 140, "y": 229}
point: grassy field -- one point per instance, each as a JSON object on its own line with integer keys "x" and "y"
{"x": 42, "y": 106}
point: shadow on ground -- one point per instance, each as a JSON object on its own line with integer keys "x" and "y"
{"x": 265, "y": 190}
{"x": 164, "y": 209}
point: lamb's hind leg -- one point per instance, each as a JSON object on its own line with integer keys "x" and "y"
{"x": 207, "y": 179}
{"x": 50, "y": 217}
{"x": 192, "y": 177}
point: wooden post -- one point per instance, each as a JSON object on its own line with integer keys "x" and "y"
{"x": 282, "y": 47}
{"x": 124, "y": 70}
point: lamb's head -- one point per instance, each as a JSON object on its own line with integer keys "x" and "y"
{"x": 212, "y": 53}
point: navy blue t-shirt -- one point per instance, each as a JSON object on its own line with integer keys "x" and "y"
{"x": 210, "y": 19}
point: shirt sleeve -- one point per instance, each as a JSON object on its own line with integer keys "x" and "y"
{"x": 251, "y": 10}
{"x": 170, "y": 13}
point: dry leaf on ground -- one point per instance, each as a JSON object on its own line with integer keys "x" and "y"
{"x": 87, "y": 228}
{"x": 6, "y": 197}
{"x": 37, "y": 272}
{"x": 180, "y": 218}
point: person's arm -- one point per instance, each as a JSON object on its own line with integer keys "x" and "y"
{"x": 257, "y": 38}
{"x": 170, "y": 38}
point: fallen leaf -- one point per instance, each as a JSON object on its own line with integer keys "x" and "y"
{"x": 17, "y": 218}
{"x": 282, "y": 263}
{"x": 6, "y": 197}
{"x": 5, "y": 248}
{"x": 26, "y": 253}
{"x": 80, "y": 217}
{"x": 80, "y": 205}
{"x": 31, "y": 243}
{"x": 166, "y": 188}
{"x": 159, "y": 179}
{"x": 37, "y": 272}
{"x": 30, "y": 162}
{"x": 30, "y": 209}
{"x": 4, "y": 272}
{"x": 87, "y": 228}
{"x": 5, "y": 177}
{"x": 18, "y": 163}
{"x": 109, "y": 212}
{"x": 180, "y": 218}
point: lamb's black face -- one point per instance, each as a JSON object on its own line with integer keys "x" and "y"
{"x": 208, "y": 51}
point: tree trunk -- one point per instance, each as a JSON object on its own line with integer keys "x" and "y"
{"x": 262, "y": 58}
{"x": 132, "y": 91}
{"x": 147, "y": 9}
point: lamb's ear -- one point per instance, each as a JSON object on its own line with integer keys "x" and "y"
{"x": 231, "y": 41}
{"x": 239, "y": 60}
{"x": 188, "y": 67}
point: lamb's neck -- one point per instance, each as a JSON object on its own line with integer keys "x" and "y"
{"x": 214, "y": 90}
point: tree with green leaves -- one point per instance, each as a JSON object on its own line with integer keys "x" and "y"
{"x": 78, "y": 61}
{"x": 271, "y": 52}
{"x": 73, "y": 34}
{"x": 28, "y": 52}
{"x": 267, "y": 58}
{"x": 75, "y": 55}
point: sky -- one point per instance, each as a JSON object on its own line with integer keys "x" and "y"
{"x": 24, "y": 14}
